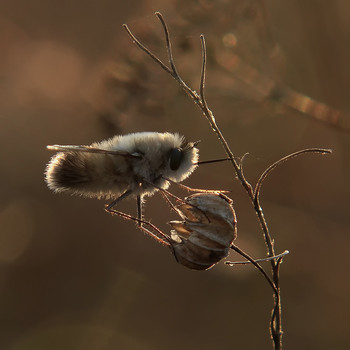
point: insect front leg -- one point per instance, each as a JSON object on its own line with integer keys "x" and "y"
{"x": 198, "y": 190}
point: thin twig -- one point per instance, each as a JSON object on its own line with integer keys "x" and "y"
{"x": 232, "y": 263}
{"x": 254, "y": 262}
{"x": 168, "y": 45}
{"x": 203, "y": 71}
{"x": 148, "y": 52}
{"x": 282, "y": 160}
{"x": 257, "y": 189}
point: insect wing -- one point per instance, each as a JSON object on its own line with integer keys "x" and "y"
{"x": 88, "y": 149}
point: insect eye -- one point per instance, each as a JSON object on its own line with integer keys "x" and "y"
{"x": 176, "y": 155}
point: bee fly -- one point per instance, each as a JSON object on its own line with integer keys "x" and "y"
{"x": 129, "y": 165}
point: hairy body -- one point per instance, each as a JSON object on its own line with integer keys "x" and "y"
{"x": 136, "y": 163}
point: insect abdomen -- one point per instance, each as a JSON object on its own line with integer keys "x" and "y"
{"x": 89, "y": 175}
{"x": 67, "y": 171}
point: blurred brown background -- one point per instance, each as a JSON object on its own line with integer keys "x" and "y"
{"x": 73, "y": 277}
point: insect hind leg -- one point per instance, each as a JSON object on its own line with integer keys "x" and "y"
{"x": 139, "y": 198}
{"x": 116, "y": 201}
{"x": 159, "y": 237}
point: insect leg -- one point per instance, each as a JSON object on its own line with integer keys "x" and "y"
{"x": 190, "y": 189}
{"x": 161, "y": 237}
{"x": 166, "y": 193}
{"x": 139, "y": 207}
{"x": 124, "y": 195}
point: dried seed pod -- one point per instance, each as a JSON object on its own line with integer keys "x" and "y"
{"x": 207, "y": 230}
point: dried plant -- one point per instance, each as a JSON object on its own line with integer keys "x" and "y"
{"x": 206, "y": 232}
{"x": 184, "y": 228}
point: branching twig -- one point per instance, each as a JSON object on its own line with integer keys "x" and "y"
{"x": 200, "y": 101}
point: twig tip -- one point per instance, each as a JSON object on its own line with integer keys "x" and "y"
{"x": 159, "y": 15}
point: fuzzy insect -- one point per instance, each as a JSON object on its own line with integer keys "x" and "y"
{"x": 129, "y": 165}
{"x": 207, "y": 231}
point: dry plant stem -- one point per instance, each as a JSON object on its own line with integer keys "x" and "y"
{"x": 200, "y": 101}
{"x": 276, "y": 317}
{"x": 276, "y": 328}
{"x": 275, "y": 323}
